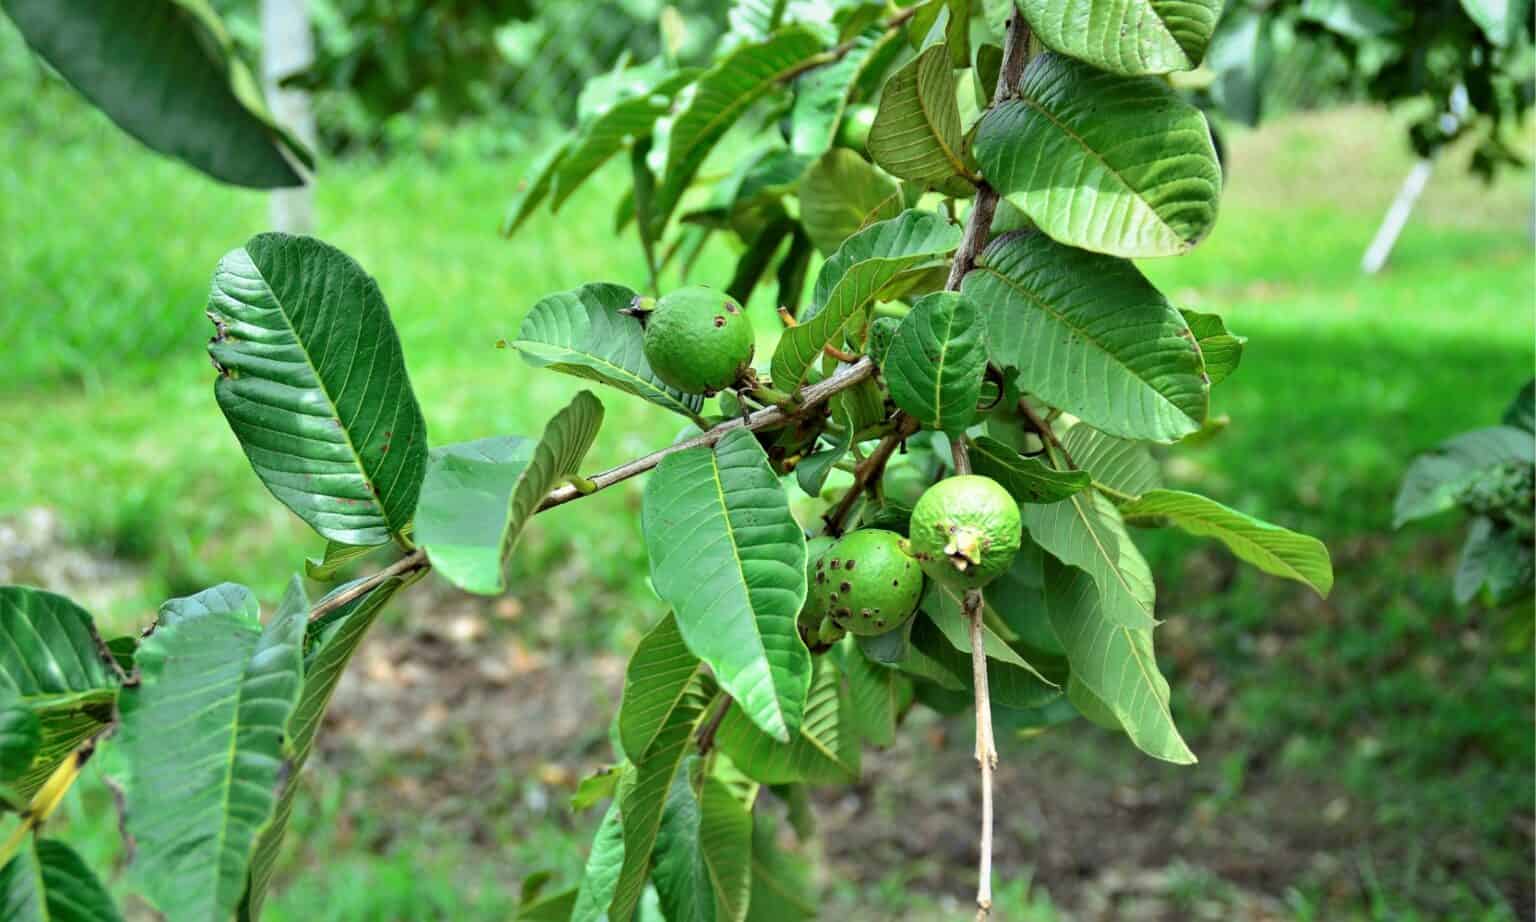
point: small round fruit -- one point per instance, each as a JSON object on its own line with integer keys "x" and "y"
{"x": 853, "y": 130}
{"x": 965, "y": 531}
{"x": 867, "y": 584}
{"x": 698, "y": 340}
{"x": 812, "y": 611}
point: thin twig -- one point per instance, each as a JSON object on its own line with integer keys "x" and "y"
{"x": 706, "y": 736}
{"x": 869, "y": 470}
{"x": 961, "y": 449}
{"x": 1043, "y": 429}
{"x": 410, "y": 563}
{"x": 986, "y": 748}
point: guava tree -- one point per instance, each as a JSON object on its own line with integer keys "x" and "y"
{"x": 920, "y": 494}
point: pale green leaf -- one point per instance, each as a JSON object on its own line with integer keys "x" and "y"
{"x": 1028, "y": 480}
{"x": 55, "y": 666}
{"x": 1219, "y": 350}
{"x": 1501, "y": 20}
{"x": 47, "y": 882}
{"x": 1114, "y": 662}
{"x": 703, "y": 869}
{"x": 1090, "y": 335}
{"x": 480, "y": 495}
{"x": 1435, "y": 477}
{"x": 534, "y": 186}
{"x": 1085, "y": 531}
{"x": 167, "y": 73}
{"x": 335, "y": 558}
{"x": 582, "y": 333}
{"x": 729, "y": 557}
{"x": 623, "y": 120}
{"x": 205, "y": 738}
{"x": 1269, "y": 547}
{"x": 313, "y": 383}
{"x": 1127, "y": 36}
{"x": 936, "y": 361}
{"x": 1118, "y": 165}
{"x": 656, "y": 685}
{"x": 720, "y": 97}
{"x": 842, "y": 194}
{"x": 601, "y": 874}
{"x": 916, "y": 134}
{"x": 824, "y": 751}
{"x": 1121, "y": 464}
{"x": 850, "y": 280}
{"x": 821, "y": 95}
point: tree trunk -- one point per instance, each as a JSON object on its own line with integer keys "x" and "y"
{"x": 288, "y": 48}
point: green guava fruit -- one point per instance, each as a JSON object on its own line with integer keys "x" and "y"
{"x": 698, "y": 340}
{"x": 965, "y": 531}
{"x": 867, "y": 584}
{"x": 816, "y": 629}
{"x": 853, "y": 129}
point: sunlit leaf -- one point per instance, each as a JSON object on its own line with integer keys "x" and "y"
{"x": 1219, "y": 350}
{"x": 916, "y": 134}
{"x": 1127, "y": 37}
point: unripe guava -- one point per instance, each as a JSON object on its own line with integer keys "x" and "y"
{"x": 867, "y": 584}
{"x": 853, "y": 130}
{"x": 965, "y": 531}
{"x": 698, "y": 340}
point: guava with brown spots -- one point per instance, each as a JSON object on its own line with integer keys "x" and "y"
{"x": 866, "y": 583}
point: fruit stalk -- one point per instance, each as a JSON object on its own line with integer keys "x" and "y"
{"x": 868, "y": 471}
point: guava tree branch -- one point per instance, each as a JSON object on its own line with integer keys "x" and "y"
{"x": 868, "y": 471}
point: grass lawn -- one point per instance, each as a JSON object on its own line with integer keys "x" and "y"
{"x": 1421, "y": 711}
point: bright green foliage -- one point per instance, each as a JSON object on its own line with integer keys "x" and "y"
{"x": 1220, "y": 351}
{"x": 867, "y": 583}
{"x": 1127, "y": 36}
{"x": 916, "y": 133}
{"x": 1118, "y": 165}
{"x": 965, "y": 531}
{"x": 936, "y": 359}
{"x": 167, "y": 73}
{"x": 1027, "y": 480}
{"x": 21, "y": 735}
{"x": 312, "y": 381}
{"x": 842, "y": 194}
{"x": 699, "y": 340}
{"x": 48, "y": 882}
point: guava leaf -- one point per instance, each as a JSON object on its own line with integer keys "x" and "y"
{"x": 201, "y": 797}
{"x": 703, "y": 870}
{"x": 56, "y": 668}
{"x": 936, "y": 361}
{"x": 782, "y": 886}
{"x": 1269, "y": 547}
{"x": 334, "y": 559}
{"x": 48, "y": 882}
{"x": 1219, "y": 350}
{"x": 582, "y": 333}
{"x": 1085, "y": 531}
{"x": 872, "y": 696}
{"x": 604, "y": 863}
{"x": 729, "y": 557}
{"x": 1121, "y": 464}
{"x": 1133, "y": 37}
{"x": 1028, "y": 480}
{"x": 1114, "y": 662}
{"x": 1521, "y": 412}
{"x": 534, "y": 186}
{"x": 1090, "y": 335}
{"x": 821, "y": 95}
{"x": 812, "y": 471}
{"x": 1117, "y": 165}
{"x": 21, "y": 736}
{"x": 624, "y": 119}
{"x": 656, "y": 684}
{"x": 916, "y": 134}
{"x": 314, "y": 385}
{"x": 841, "y": 194}
{"x": 719, "y": 97}
{"x": 850, "y": 280}
{"x": 824, "y": 750}
{"x": 1433, "y": 479}
{"x": 480, "y": 495}
{"x": 167, "y": 73}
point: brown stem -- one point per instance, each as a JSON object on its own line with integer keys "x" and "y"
{"x": 869, "y": 470}
{"x": 986, "y": 748}
{"x": 1043, "y": 429}
{"x": 410, "y": 563}
{"x": 707, "y": 733}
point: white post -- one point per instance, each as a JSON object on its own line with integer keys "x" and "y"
{"x": 1397, "y": 216}
{"x": 288, "y": 47}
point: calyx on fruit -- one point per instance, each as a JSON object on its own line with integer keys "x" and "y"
{"x": 965, "y": 531}
{"x": 697, "y": 340}
{"x": 867, "y": 583}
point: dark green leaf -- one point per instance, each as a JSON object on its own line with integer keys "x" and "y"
{"x": 729, "y": 557}
{"x": 582, "y": 333}
{"x": 811, "y": 473}
{"x": 48, "y": 882}
{"x": 1220, "y": 350}
{"x": 841, "y": 195}
{"x": 1434, "y": 479}
{"x": 916, "y": 134}
{"x": 1133, "y": 37}
{"x": 1028, "y": 480}
{"x": 782, "y": 885}
{"x": 936, "y": 361}
{"x": 314, "y": 385}
{"x": 703, "y": 869}
{"x": 166, "y": 72}
{"x": 1010, "y": 685}
{"x": 1521, "y": 412}
{"x": 656, "y": 683}
{"x": 1118, "y": 165}
{"x": 604, "y": 863}
{"x": 21, "y": 735}
{"x": 872, "y": 696}
{"x": 825, "y": 750}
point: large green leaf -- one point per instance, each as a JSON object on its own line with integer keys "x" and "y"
{"x": 1028, "y": 480}
{"x": 166, "y": 72}
{"x": 534, "y": 186}
{"x": 21, "y": 736}
{"x": 821, "y": 96}
{"x": 1090, "y": 335}
{"x": 782, "y": 886}
{"x": 730, "y": 559}
{"x": 480, "y": 495}
{"x": 872, "y": 695}
{"x": 327, "y": 650}
{"x": 313, "y": 383}
{"x": 582, "y": 333}
{"x": 703, "y": 869}
{"x": 205, "y": 738}
{"x": 53, "y": 665}
{"x": 824, "y": 751}
{"x": 936, "y": 361}
{"x": 1435, "y": 477}
{"x": 643, "y": 795}
{"x": 1085, "y": 530}
{"x": 1114, "y": 662}
{"x": 604, "y": 863}
{"x": 944, "y": 636}
{"x": 1119, "y": 165}
{"x": 720, "y": 97}
{"x": 842, "y": 194}
{"x": 916, "y": 134}
{"x": 1269, "y": 547}
{"x": 1127, "y": 36}
{"x": 48, "y": 882}
{"x": 623, "y": 120}
{"x": 656, "y": 684}
{"x": 1219, "y": 350}
{"x": 850, "y": 279}
{"x": 1501, "y": 20}
{"x": 1121, "y": 464}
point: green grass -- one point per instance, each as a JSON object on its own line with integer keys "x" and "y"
{"x": 1418, "y": 709}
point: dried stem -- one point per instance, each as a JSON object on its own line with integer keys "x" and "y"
{"x": 410, "y": 563}
{"x": 869, "y": 471}
{"x": 986, "y": 748}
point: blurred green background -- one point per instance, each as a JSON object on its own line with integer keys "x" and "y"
{"x": 1365, "y": 758}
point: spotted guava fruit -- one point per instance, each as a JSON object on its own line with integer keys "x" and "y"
{"x": 813, "y": 611}
{"x": 698, "y": 340}
{"x": 866, "y": 583}
{"x": 965, "y": 531}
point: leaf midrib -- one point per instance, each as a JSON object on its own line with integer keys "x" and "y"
{"x": 1103, "y": 551}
